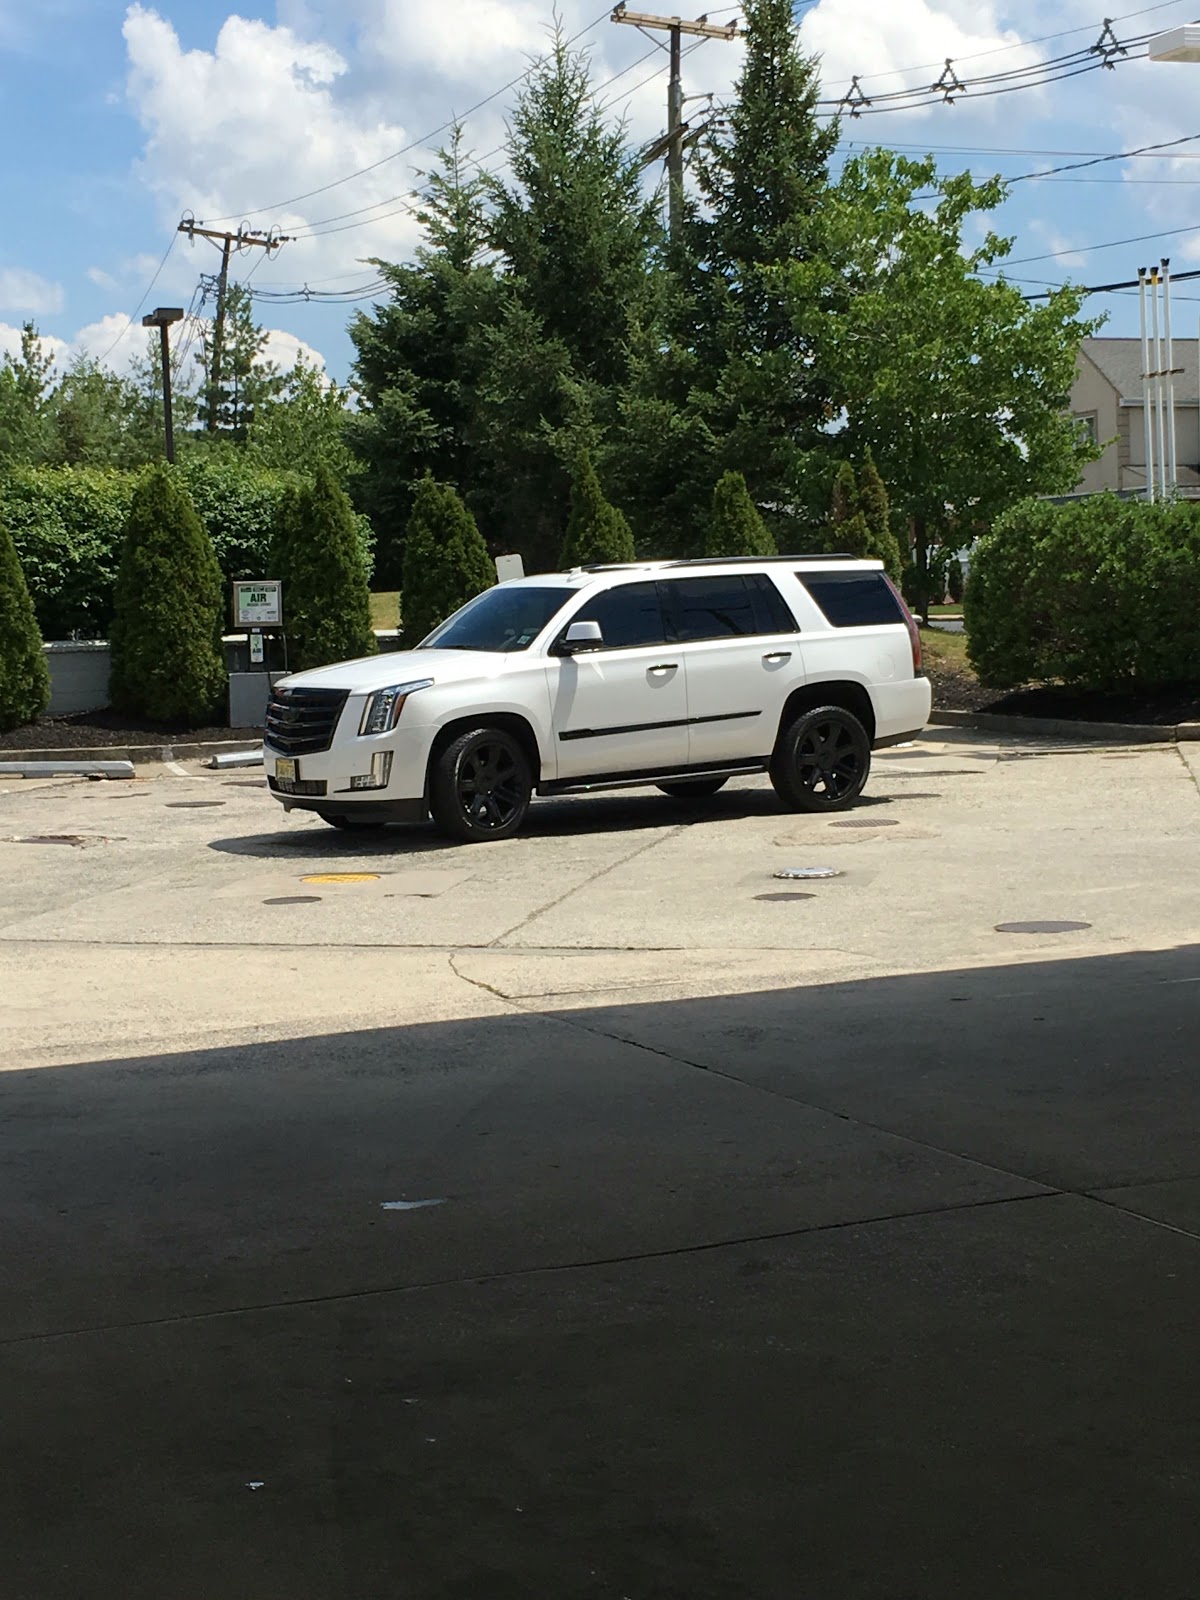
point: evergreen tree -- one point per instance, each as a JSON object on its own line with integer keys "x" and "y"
{"x": 247, "y": 381}
{"x": 877, "y": 513}
{"x": 844, "y": 500}
{"x": 596, "y": 531}
{"x": 24, "y": 675}
{"x": 446, "y": 562}
{"x": 326, "y": 595}
{"x": 167, "y": 658}
{"x": 422, "y": 360}
{"x": 736, "y": 528}
{"x": 26, "y": 387}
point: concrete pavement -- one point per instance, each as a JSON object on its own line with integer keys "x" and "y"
{"x": 578, "y": 1217}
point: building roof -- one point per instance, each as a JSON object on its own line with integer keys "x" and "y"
{"x": 1120, "y": 360}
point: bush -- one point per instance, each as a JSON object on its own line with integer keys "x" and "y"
{"x": 736, "y": 528}
{"x": 876, "y": 511}
{"x": 955, "y": 582}
{"x": 597, "y": 532}
{"x": 1099, "y": 594}
{"x": 326, "y": 597}
{"x": 167, "y": 659}
{"x": 68, "y": 524}
{"x": 24, "y": 675}
{"x": 445, "y": 560}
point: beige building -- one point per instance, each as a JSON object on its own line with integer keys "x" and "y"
{"x": 1107, "y": 400}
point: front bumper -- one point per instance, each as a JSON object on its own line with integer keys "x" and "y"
{"x": 321, "y": 781}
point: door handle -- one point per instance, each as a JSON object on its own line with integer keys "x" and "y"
{"x": 778, "y": 655}
{"x": 665, "y": 666}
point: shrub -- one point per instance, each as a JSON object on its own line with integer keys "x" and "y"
{"x": 326, "y": 598}
{"x": 736, "y": 528}
{"x": 1099, "y": 594}
{"x": 68, "y": 524}
{"x": 955, "y": 582}
{"x": 446, "y": 562}
{"x": 876, "y": 511}
{"x": 24, "y": 675}
{"x": 167, "y": 659}
{"x": 596, "y": 531}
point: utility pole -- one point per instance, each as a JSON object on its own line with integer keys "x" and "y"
{"x": 676, "y": 127}
{"x": 244, "y": 238}
{"x": 162, "y": 318}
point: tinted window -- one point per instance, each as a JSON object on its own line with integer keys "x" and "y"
{"x": 714, "y": 608}
{"x": 853, "y": 599}
{"x": 772, "y": 608}
{"x": 509, "y": 617}
{"x": 629, "y": 615}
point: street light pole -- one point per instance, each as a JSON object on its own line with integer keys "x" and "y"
{"x": 162, "y": 318}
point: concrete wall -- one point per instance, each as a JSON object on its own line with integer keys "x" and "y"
{"x": 79, "y": 671}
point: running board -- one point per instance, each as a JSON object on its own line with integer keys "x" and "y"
{"x": 635, "y": 780}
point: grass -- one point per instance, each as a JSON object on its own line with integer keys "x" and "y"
{"x": 945, "y": 650}
{"x": 385, "y": 608}
{"x": 951, "y": 610}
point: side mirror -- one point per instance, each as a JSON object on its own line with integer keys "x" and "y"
{"x": 578, "y": 637}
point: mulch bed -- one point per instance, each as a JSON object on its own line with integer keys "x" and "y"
{"x": 92, "y": 729}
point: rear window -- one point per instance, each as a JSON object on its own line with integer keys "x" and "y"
{"x": 853, "y": 599}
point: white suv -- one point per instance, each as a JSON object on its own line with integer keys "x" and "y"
{"x": 675, "y": 673}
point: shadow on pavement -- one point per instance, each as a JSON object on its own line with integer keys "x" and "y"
{"x": 854, "y": 1291}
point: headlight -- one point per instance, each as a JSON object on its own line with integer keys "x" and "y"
{"x": 382, "y": 710}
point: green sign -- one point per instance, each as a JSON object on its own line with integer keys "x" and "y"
{"x": 258, "y": 604}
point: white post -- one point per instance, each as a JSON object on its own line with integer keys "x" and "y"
{"x": 1172, "y": 461}
{"x": 1160, "y": 421}
{"x": 1148, "y": 450}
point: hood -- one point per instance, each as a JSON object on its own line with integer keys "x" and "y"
{"x": 399, "y": 666}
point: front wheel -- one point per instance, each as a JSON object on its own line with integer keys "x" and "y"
{"x": 821, "y": 761}
{"x": 692, "y": 788}
{"x": 480, "y": 786}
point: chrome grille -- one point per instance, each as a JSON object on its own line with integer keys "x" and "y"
{"x": 301, "y": 721}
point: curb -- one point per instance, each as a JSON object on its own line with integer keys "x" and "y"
{"x": 1061, "y": 728}
{"x": 139, "y": 754}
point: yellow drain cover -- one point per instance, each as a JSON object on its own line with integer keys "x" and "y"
{"x": 342, "y": 877}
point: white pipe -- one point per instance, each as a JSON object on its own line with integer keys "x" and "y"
{"x": 1172, "y": 461}
{"x": 1148, "y": 450}
{"x": 1160, "y": 421}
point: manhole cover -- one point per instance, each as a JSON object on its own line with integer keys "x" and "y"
{"x": 787, "y": 894}
{"x": 866, "y": 822}
{"x": 292, "y": 900}
{"x": 807, "y": 872}
{"x": 342, "y": 877}
{"x": 918, "y": 794}
{"x": 191, "y": 805}
{"x": 51, "y": 838}
{"x": 1041, "y": 927}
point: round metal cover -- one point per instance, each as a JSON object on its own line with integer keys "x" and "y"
{"x": 191, "y": 805}
{"x": 807, "y": 872}
{"x": 787, "y": 894}
{"x": 50, "y": 838}
{"x": 341, "y": 877}
{"x": 292, "y": 900}
{"x": 1041, "y": 927}
{"x": 866, "y": 822}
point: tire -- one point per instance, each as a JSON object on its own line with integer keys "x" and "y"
{"x": 355, "y": 824}
{"x": 480, "y": 787}
{"x": 692, "y": 788}
{"x": 822, "y": 760}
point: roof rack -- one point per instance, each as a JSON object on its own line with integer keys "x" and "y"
{"x": 712, "y": 561}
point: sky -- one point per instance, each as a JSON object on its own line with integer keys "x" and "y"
{"x": 316, "y": 119}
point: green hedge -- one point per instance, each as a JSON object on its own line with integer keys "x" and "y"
{"x": 68, "y": 524}
{"x": 1099, "y": 594}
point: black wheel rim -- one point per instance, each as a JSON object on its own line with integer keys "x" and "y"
{"x": 491, "y": 790}
{"x": 829, "y": 761}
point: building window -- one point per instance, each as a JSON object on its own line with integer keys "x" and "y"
{"x": 1086, "y": 423}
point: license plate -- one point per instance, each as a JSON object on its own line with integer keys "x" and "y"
{"x": 285, "y": 771}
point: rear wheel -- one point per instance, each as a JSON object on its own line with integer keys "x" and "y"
{"x": 480, "y": 786}
{"x": 692, "y": 788}
{"x": 822, "y": 760}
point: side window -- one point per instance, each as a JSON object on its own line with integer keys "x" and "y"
{"x": 772, "y": 608}
{"x": 853, "y": 599}
{"x": 714, "y": 608}
{"x": 629, "y": 615}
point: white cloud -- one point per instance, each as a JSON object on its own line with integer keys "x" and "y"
{"x": 10, "y": 344}
{"x": 285, "y": 348}
{"x": 21, "y": 290}
{"x": 102, "y": 279}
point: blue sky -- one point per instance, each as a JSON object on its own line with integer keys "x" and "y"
{"x": 116, "y": 118}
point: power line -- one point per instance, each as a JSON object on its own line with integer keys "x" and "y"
{"x": 416, "y": 144}
{"x": 141, "y": 302}
{"x": 1109, "y": 244}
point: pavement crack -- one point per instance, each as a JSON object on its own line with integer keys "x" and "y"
{"x": 585, "y": 1264}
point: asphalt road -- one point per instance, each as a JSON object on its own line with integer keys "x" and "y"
{"x": 464, "y": 1232}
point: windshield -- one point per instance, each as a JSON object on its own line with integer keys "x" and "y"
{"x": 509, "y": 617}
